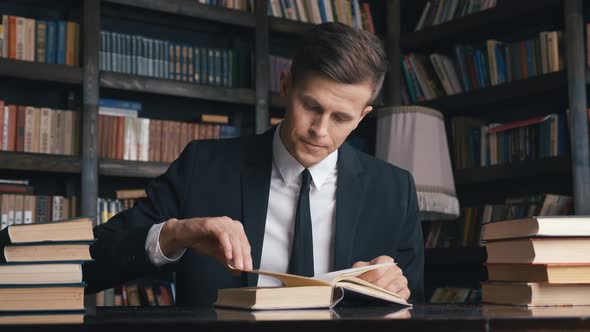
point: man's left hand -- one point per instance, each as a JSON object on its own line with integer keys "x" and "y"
{"x": 390, "y": 277}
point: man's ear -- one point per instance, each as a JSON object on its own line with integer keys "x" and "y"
{"x": 285, "y": 82}
{"x": 366, "y": 111}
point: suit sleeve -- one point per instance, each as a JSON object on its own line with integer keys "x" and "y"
{"x": 410, "y": 253}
{"x": 119, "y": 249}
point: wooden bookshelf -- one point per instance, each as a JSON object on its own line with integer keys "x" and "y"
{"x": 133, "y": 169}
{"x": 525, "y": 169}
{"x": 38, "y": 162}
{"x": 194, "y": 9}
{"x": 475, "y": 25}
{"x": 289, "y": 26}
{"x": 455, "y": 256}
{"x": 23, "y": 161}
{"x": 176, "y": 88}
{"x": 534, "y": 86}
{"x": 40, "y": 71}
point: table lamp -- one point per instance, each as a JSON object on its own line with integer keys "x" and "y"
{"x": 414, "y": 138}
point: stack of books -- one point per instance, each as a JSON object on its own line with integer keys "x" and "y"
{"x": 538, "y": 261}
{"x": 41, "y": 271}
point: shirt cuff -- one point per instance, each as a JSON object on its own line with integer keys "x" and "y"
{"x": 154, "y": 252}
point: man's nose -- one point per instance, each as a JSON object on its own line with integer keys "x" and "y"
{"x": 320, "y": 125}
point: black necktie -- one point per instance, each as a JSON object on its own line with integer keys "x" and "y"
{"x": 301, "y": 262}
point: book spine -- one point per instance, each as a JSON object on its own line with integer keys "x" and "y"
{"x": 61, "y": 42}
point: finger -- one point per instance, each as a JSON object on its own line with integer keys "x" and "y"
{"x": 226, "y": 246}
{"x": 388, "y": 273}
{"x": 238, "y": 258}
{"x": 360, "y": 263}
{"x": 382, "y": 259}
{"x": 246, "y": 251}
{"x": 395, "y": 286}
{"x": 405, "y": 293}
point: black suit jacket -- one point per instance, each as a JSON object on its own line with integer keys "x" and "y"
{"x": 376, "y": 214}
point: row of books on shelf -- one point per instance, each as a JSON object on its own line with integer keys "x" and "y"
{"x": 17, "y": 209}
{"x": 38, "y": 129}
{"x": 245, "y": 5}
{"x": 278, "y": 64}
{"x": 56, "y": 42}
{"x": 143, "y": 139}
{"x": 146, "y": 293}
{"x": 350, "y": 12}
{"x": 479, "y": 143}
{"x": 107, "y": 207}
{"x": 436, "y": 75}
{"x": 41, "y": 271}
{"x": 466, "y": 231}
{"x": 440, "y": 11}
{"x": 538, "y": 261}
{"x": 140, "y": 55}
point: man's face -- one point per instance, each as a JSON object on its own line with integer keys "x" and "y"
{"x": 320, "y": 114}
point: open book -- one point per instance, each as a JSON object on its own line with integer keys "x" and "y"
{"x": 322, "y": 291}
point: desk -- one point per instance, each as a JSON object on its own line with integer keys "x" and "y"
{"x": 427, "y": 317}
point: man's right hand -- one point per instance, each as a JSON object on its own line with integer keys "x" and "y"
{"x": 219, "y": 237}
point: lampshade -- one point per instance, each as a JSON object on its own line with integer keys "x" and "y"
{"x": 414, "y": 138}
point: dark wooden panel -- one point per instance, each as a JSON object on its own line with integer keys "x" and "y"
{"x": 175, "y": 88}
{"x": 481, "y": 24}
{"x": 289, "y": 26}
{"x": 262, "y": 67}
{"x": 192, "y": 8}
{"x": 530, "y": 168}
{"x": 500, "y": 93}
{"x": 39, "y": 162}
{"x": 126, "y": 168}
{"x": 40, "y": 71}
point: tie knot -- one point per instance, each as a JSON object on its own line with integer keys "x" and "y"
{"x": 305, "y": 178}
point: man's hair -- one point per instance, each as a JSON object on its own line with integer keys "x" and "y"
{"x": 341, "y": 53}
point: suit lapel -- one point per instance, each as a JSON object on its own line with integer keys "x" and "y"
{"x": 256, "y": 173}
{"x": 349, "y": 193}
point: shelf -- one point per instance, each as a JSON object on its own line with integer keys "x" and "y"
{"x": 40, "y": 71}
{"x": 530, "y": 168}
{"x": 474, "y": 25}
{"x": 192, "y": 8}
{"x": 289, "y": 26}
{"x": 132, "y": 169}
{"x": 176, "y": 88}
{"x": 38, "y": 162}
{"x": 23, "y": 161}
{"x": 455, "y": 256}
{"x": 520, "y": 88}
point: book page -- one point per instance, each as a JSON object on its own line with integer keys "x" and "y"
{"x": 291, "y": 280}
{"x": 334, "y": 277}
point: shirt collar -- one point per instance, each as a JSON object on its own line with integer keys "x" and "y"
{"x": 290, "y": 169}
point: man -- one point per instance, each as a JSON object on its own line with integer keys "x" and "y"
{"x": 294, "y": 199}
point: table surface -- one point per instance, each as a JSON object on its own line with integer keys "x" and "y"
{"x": 420, "y": 316}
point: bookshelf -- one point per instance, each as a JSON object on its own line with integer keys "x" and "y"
{"x": 560, "y": 166}
{"x": 175, "y": 88}
{"x": 40, "y": 71}
{"x": 511, "y": 101}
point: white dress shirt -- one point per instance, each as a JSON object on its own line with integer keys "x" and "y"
{"x": 280, "y": 217}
